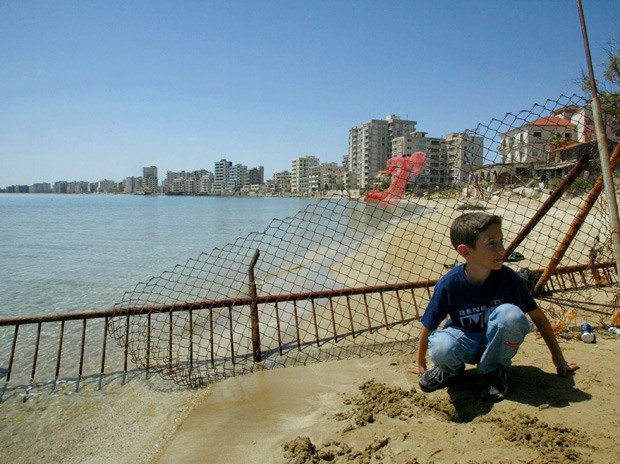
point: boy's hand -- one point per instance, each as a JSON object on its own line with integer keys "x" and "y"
{"x": 419, "y": 368}
{"x": 563, "y": 368}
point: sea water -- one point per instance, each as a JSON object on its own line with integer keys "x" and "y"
{"x": 66, "y": 253}
{"x": 62, "y": 253}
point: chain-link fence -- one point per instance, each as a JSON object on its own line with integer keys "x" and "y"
{"x": 350, "y": 275}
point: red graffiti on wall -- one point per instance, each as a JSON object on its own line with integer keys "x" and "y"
{"x": 401, "y": 169}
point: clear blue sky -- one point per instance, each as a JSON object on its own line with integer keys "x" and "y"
{"x": 93, "y": 90}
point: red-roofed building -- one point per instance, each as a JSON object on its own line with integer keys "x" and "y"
{"x": 532, "y": 141}
{"x": 543, "y": 149}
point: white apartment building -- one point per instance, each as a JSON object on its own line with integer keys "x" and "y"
{"x": 40, "y": 188}
{"x": 300, "y": 173}
{"x": 192, "y": 185}
{"x": 206, "y": 183}
{"x": 465, "y": 152}
{"x": 436, "y": 171}
{"x": 531, "y": 142}
{"x": 175, "y": 183}
{"x": 178, "y": 186}
{"x": 370, "y": 146}
{"x": 325, "y": 176}
{"x": 133, "y": 184}
{"x": 448, "y": 160}
{"x": 105, "y": 186}
{"x": 238, "y": 178}
{"x": 221, "y": 173}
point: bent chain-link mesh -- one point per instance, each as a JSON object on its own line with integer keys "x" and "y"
{"x": 345, "y": 277}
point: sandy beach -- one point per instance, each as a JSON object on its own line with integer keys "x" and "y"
{"x": 371, "y": 410}
{"x": 365, "y": 408}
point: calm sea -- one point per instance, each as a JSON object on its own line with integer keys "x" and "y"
{"x": 73, "y": 252}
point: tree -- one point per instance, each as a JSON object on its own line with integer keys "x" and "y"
{"x": 558, "y": 140}
{"x": 608, "y": 89}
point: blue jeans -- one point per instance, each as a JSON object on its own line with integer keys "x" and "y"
{"x": 452, "y": 347}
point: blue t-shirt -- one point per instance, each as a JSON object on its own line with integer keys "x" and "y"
{"x": 469, "y": 306}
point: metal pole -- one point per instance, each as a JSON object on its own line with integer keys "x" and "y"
{"x": 601, "y": 138}
{"x": 256, "y": 351}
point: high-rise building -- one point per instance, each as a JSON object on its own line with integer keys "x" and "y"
{"x": 448, "y": 160}
{"x": 281, "y": 182}
{"x": 257, "y": 175}
{"x": 149, "y": 175}
{"x": 465, "y": 152}
{"x": 179, "y": 186}
{"x": 60, "y": 186}
{"x": 221, "y": 173}
{"x": 238, "y": 178}
{"x": 300, "y": 174}
{"x": 370, "y": 146}
{"x": 40, "y": 188}
{"x": 436, "y": 170}
{"x": 105, "y": 186}
{"x": 206, "y": 183}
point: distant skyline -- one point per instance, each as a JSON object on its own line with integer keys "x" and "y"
{"x": 98, "y": 90}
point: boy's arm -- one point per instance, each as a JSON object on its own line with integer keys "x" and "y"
{"x": 544, "y": 327}
{"x": 420, "y": 367}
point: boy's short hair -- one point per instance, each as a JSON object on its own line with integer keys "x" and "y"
{"x": 466, "y": 228}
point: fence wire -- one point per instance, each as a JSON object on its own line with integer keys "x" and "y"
{"x": 346, "y": 277}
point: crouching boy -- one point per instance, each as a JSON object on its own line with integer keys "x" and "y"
{"x": 486, "y": 303}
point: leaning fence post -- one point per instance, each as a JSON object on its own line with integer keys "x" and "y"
{"x": 254, "y": 310}
{"x": 601, "y": 139}
{"x": 578, "y": 221}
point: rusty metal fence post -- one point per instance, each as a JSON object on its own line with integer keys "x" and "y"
{"x": 578, "y": 221}
{"x": 256, "y": 351}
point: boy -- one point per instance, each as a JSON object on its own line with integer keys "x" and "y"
{"x": 487, "y": 303}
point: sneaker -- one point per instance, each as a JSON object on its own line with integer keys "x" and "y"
{"x": 495, "y": 385}
{"x": 434, "y": 379}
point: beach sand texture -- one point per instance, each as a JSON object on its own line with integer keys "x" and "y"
{"x": 370, "y": 410}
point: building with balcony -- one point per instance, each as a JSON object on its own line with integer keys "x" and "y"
{"x": 206, "y": 183}
{"x": 238, "y": 178}
{"x": 465, "y": 153}
{"x": 281, "y": 182}
{"x": 531, "y": 141}
{"x": 324, "y": 177}
{"x": 370, "y": 146}
{"x": 300, "y": 173}
{"x": 436, "y": 171}
{"x": 221, "y": 173}
{"x": 257, "y": 175}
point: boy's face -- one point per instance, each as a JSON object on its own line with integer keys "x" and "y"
{"x": 489, "y": 251}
